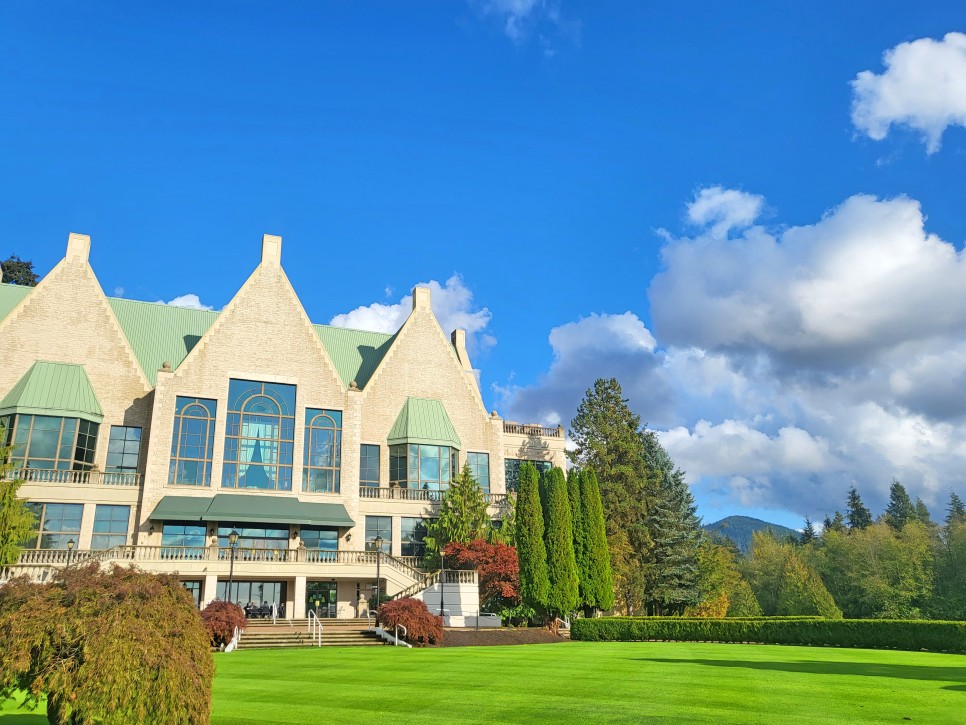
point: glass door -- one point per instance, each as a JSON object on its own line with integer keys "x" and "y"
{"x": 321, "y": 598}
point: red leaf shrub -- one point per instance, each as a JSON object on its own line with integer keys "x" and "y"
{"x": 421, "y": 626}
{"x": 497, "y": 566}
{"x": 220, "y": 620}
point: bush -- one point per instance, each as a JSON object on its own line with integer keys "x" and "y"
{"x": 220, "y": 620}
{"x": 114, "y": 646}
{"x": 869, "y": 633}
{"x": 421, "y": 626}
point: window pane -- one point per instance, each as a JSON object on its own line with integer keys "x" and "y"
{"x": 192, "y": 441}
{"x": 379, "y": 526}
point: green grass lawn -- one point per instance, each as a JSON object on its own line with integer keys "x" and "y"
{"x": 587, "y": 683}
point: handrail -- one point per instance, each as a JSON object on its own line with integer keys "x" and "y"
{"x": 533, "y": 430}
{"x": 315, "y": 628}
{"x": 395, "y": 493}
{"x": 405, "y": 633}
{"x": 369, "y": 617}
{"x": 233, "y": 645}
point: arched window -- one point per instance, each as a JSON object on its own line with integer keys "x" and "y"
{"x": 259, "y": 436}
{"x": 321, "y": 472}
{"x": 193, "y": 442}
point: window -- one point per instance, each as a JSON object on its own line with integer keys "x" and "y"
{"x": 369, "y": 466}
{"x": 194, "y": 589}
{"x": 512, "y": 469}
{"x": 413, "y": 465}
{"x": 323, "y": 451}
{"x": 480, "y": 469}
{"x": 185, "y": 541}
{"x": 412, "y": 535}
{"x": 123, "y": 449}
{"x": 57, "y": 524}
{"x": 320, "y": 538}
{"x": 110, "y": 526}
{"x": 259, "y": 436}
{"x": 49, "y": 442}
{"x": 253, "y": 538}
{"x": 193, "y": 442}
{"x": 379, "y": 526}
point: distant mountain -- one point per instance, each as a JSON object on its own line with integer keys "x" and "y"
{"x": 740, "y": 529}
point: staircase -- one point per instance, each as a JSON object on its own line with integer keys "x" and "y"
{"x": 262, "y": 634}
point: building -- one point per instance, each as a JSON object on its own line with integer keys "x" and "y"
{"x": 148, "y": 434}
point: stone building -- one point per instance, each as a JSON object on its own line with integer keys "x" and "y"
{"x": 151, "y": 434}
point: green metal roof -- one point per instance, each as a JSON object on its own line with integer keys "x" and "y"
{"x": 10, "y": 297}
{"x": 355, "y": 353}
{"x": 235, "y": 508}
{"x": 423, "y": 420}
{"x": 49, "y": 388}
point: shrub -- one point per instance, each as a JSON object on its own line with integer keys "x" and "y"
{"x": 421, "y": 626}
{"x": 869, "y": 633}
{"x": 498, "y": 569}
{"x": 114, "y": 646}
{"x": 220, "y": 620}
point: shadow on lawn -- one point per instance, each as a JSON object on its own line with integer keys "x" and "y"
{"x": 902, "y": 672}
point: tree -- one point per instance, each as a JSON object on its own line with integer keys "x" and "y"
{"x": 505, "y": 531}
{"x": 17, "y": 521}
{"x": 723, "y": 590}
{"x": 949, "y": 598}
{"x": 597, "y": 583}
{"x": 115, "y": 646}
{"x": 574, "y": 476}
{"x": 858, "y": 516}
{"x": 531, "y": 550}
{"x": 462, "y": 515}
{"x": 221, "y": 619}
{"x": 900, "y": 510}
{"x": 498, "y": 569}
{"x": 956, "y": 511}
{"x": 19, "y": 271}
{"x": 559, "y": 537}
{"x": 808, "y": 532}
{"x": 836, "y": 523}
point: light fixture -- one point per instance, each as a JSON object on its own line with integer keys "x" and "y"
{"x": 233, "y": 539}
{"x": 348, "y": 537}
{"x": 151, "y": 530}
{"x": 70, "y": 544}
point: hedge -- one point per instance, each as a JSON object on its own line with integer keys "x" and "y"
{"x": 868, "y": 633}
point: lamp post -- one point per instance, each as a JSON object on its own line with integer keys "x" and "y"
{"x": 70, "y": 549}
{"x": 232, "y": 545}
{"x": 378, "y": 543}
{"x": 442, "y": 580}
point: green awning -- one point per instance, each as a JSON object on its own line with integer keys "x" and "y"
{"x": 231, "y": 508}
{"x": 48, "y": 388}
{"x": 423, "y": 420}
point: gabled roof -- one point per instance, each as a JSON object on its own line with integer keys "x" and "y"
{"x": 423, "y": 420}
{"x": 355, "y": 353}
{"x": 10, "y": 296}
{"x": 60, "y": 389}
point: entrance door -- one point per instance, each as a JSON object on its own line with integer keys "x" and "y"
{"x": 321, "y": 598}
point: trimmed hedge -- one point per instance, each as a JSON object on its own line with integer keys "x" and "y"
{"x": 868, "y": 633}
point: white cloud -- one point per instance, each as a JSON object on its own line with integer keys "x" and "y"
{"x": 723, "y": 209}
{"x": 522, "y": 19}
{"x": 118, "y": 291}
{"x": 191, "y": 301}
{"x": 923, "y": 88}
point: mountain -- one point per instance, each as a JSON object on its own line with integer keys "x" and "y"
{"x": 740, "y": 529}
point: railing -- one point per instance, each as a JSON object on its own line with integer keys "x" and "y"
{"x": 93, "y": 478}
{"x": 394, "y": 493}
{"x": 533, "y": 430}
{"x": 315, "y": 628}
{"x": 54, "y": 556}
{"x": 233, "y": 645}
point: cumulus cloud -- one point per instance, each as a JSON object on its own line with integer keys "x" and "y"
{"x": 191, "y": 301}
{"x": 452, "y": 304}
{"x": 721, "y": 210}
{"x": 923, "y": 88}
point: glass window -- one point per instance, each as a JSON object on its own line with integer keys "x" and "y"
{"x": 321, "y": 471}
{"x": 258, "y": 593}
{"x": 110, "y": 526}
{"x": 320, "y": 538}
{"x": 185, "y": 540}
{"x": 57, "y": 523}
{"x": 369, "y": 466}
{"x": 379, "y": 526}
{"x": 254, "y": 538}
{"x": 194, "y": 589}
{"x": 123, "y": 449}
{"x": 511, "y": 467}
{"x": 412, "y": 535}
{"x": 480, "y": 469}
{"x": 421, "y": 466}
{"x": 259, "y": 436}
{"x": 49, "y": 442}
{"x": 193, "y": 442}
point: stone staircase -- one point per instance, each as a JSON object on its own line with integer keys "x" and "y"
{"x": 262, "y": 634}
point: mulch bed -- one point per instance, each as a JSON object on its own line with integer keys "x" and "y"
{"x": 490, "y": 637}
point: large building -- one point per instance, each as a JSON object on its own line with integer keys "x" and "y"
{"x": 148, "y": 433}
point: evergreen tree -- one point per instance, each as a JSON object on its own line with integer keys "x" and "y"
{"x": 956, "y": 511}
{"x": 808, "y": 532}
{"x": 858, "y": 516}
{"x": 574, "y": 476}
{"x": 922, "y": 512}
{"x": 506, "y": 532}
{"x": 462, "y": 515}
{"x": 19, "y": 271}
{"x": 558, "y": 533}
{"x": 531, "y": 550}
{"x": 901, "y": 510}
{"x": 17, "y": 522}
{"x": 598, "y": 590}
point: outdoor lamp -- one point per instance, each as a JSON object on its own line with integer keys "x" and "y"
{"x": 233, "y": 538}
{"x": 70, "y": 544}
{"x": 378, "y": 542}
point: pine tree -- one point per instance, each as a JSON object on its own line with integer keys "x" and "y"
{"x": 559, "y": 537}
{"x": 858, "y": 516}
{"x": 900, "y": 510}
{"x": 808, "y": 532}
{"x": 17, "y": 522}
{"x": 956, "y": 511}
{"x": 574, "y": 476}
{"x": 531, "y": 550}
{"x": 462, "y": 515}
{"x": 836, "y": 523}
{"x": 19, "y": 271}
{"x": 599, "y": 587}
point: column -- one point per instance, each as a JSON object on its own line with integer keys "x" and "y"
{"x": 298, "y": 596}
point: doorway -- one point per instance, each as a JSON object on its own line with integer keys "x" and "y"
{"x": 321, "y": 598}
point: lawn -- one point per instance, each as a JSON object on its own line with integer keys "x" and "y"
{"x": 587, "y": 683}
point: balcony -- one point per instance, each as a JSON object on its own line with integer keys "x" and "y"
{"x": 532, "y": 431}
{"x": 92, "y": 478}
{"x": 395, "y": 493}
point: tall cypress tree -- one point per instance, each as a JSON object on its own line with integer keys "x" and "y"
{"x": 858, "y": 516}
{"x": 17, "y": 522}
{"x": 599, "y": 587}
{"x": 531, "y": 550}
{"x": 559, "y": 537}
{"x": 901, "y": 510}
{"x": 574, "y": 476}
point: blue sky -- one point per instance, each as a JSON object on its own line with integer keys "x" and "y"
{"x": 707, "y": 201}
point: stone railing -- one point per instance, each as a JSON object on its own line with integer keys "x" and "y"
{"x": 537, "y": 431}
{"x": 94, "y": 478}
{"x": 395, "y": 493}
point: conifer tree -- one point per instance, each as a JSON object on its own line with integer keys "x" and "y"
{"x": 599, "y": 588}
{"x": 836, "y": 523}
{"x": 900, "y": 510}
{"x": 956, "y": 510}
{"x": 17, "y": 521}
{"x": 858, "y": 516}
{"x": 808, "y": 532}
{"x": 462, "y": 515}
{"x": 559, "y": 537}
{"x": 574, "y": 476}
{"x": 531, "y": 550}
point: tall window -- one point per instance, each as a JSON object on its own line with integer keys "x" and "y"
{"x": 193, "y": 442}
{"x": 480, "y": 469}
{"x": 511, "y": 467}
{"x": 110, "y": 526}
{"x": 369, "y": 466}
{"x": 323, "y": 451}
{"x": 413, "y": 531}
{"x": 123, "y": 449}
{"x": 45, "y": 441}
{"x": 413, "y": 465}
{"x": 185, "y": 540}
{"x": 260, "y": 436}
{"x": 379, "y": 526}
{"x": 58, "y": 523}
{"x": 320, "y": 538}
